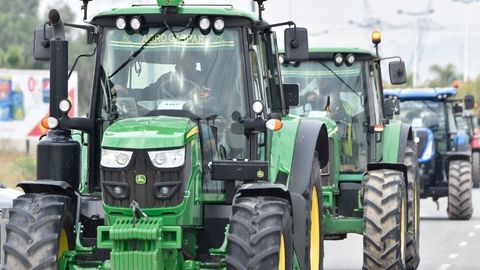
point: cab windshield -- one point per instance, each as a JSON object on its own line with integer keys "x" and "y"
{"x": 180, "y": 72}
{"x": 336, "y": 92}
{"x": 186, "y": 71}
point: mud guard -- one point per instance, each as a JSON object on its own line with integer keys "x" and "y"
{"x": 389, "y": 166}
{"x": 309, "y": 133}
{"x": 448, "y": 156}
{"x": 406, "y": 134}
{"x": 48, "y": 186}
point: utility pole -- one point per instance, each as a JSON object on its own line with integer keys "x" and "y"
{"x": 466, "y": 32}
{"x": 416, "y": 39}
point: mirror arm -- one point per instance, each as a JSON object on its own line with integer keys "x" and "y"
{"x": 78, "y": 58}
{"x": 268, "y": 26}
{"x": 378, "y": 59}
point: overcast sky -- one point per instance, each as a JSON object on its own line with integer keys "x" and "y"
{"x": 350, "y": 22}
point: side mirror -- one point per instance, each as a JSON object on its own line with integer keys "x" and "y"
{"x": 291, "y": 94}
{"x": 391, "y": 107}
{"x": 41, "y": 43}
{"x": 469, "y": 102}
{"x": 457, "y": 109}
{"x": 398, "y": 74}
{"x": 478, "y": 121}
{"x": 296, "y": 44}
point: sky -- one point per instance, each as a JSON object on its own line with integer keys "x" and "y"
{"x": 349, "y": 23}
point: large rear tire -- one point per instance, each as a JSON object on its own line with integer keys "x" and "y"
{"x": 459, "y": 190}
{"x": 260, "y": 234}
{"x": 40, "y": 229}
{"x": 476, "y": 169}
{"x": 412, "y": 255}
{"x": 384, "y": 220}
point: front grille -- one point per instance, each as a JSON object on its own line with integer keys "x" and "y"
{"x": 148, "y": 195}
{"x": 422, "y": 136}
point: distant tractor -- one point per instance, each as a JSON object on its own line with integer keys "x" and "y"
{"x": 370, "y": 185}
{"x": 443, "y": 151}
{"x": 187, "y": 158}
{"x": 466, "y": 125}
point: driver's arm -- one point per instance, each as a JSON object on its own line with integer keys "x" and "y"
{"x": 150, "y": 92}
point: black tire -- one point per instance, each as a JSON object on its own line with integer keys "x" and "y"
{"x": 459, "y": 190}
{"x": 412, "y": 253}
{"x": 34, "y": 229}
{"x": 476, "y": 169}
{"x": 384, "y": 220}
{"x": 256, "y": 227}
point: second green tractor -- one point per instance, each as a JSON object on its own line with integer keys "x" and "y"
{"x": 370, "y": 185}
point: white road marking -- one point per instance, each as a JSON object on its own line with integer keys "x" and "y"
{"x": 444, "y": 266}
{"x": 453, "y": 256}
{"x": 472, "y": 234}
{"x": 477, "y": 226}
{"x": 463, "y": 243}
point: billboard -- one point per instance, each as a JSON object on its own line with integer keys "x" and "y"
{"x": 24, "y": 101}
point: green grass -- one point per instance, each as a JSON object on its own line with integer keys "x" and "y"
{"x": 16, "y": 167}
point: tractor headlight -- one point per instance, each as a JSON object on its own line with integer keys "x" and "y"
{"x": 168, "y": 158}
{"x": 121, "y": 23}
{"x": 136, "y": 23}
{"x": 338, "y": 59}
{"x": 218, "y": 25}
{"x": 205, "y": 25}
{"x": 115, "y": 158}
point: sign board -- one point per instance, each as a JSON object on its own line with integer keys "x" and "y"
{"x": 24, "y": 102}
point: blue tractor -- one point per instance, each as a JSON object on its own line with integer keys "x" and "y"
{"x": 443, "y": 151}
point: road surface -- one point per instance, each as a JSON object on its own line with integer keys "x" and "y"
{"x": 444, "y": 244}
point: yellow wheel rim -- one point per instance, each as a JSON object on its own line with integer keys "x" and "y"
{"x": 62, "y": 243}
{"x": 281, "y": 254}
{"x": 402, "y": 230}
{"x": 416, "y": 209}
{"x": 314, "y": 232}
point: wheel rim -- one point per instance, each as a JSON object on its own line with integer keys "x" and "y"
{"x": 314, "y": 232}
{"x": 402, "y": 229}
{"x": 416, "y": 209}
{"x": 281, "y": 254}
{"x": 62, "y": 243}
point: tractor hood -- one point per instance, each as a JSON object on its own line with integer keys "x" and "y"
{"x": 148, "y": 133}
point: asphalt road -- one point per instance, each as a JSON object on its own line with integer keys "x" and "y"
{"x": 444, "y": 244}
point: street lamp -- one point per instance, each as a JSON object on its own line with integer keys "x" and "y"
{"x": 465, "y": 35}
{"x": 416, "y": 42}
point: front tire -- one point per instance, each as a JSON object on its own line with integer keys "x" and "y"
{"x": 412, "y": 255}
{"x": 476, "y": 169}
{"x": 260, "y": 234}
{"x": 459, "y": 190}
{"x": 40, "y": 229}
{"x": 384, "y": 220}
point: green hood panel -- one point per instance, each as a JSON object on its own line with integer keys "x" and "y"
{"x": 147, "y": 132}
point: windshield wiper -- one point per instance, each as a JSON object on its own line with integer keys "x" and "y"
{"x": 340, "y": 79}
{"x": 137, "y": 52}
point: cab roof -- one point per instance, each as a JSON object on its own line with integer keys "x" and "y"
{"x": 341, "y": 50}
{"x": 193, "y": 10}
{"x": 436, "y": 93}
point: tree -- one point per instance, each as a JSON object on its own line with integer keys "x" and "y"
{"x": 444, "y": 75}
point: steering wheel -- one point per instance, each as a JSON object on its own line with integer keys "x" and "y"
{"x": 181, "y": 92}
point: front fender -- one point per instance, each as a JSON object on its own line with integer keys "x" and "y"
{"x": 395, "y": 135}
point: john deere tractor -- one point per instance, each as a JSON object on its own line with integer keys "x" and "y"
{"x": 370, "y": 184}
{"x": 187, "y": 158}
{"x": 443, "y": 151}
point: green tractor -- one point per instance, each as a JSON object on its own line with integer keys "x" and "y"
{"x": 187, "y": 158}
{"x": 370, "y": 185}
